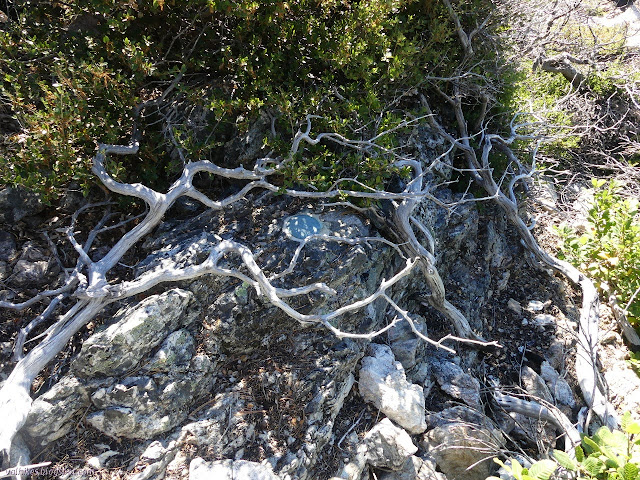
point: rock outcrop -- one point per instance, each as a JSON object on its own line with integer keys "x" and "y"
{"x": 208, "y": 379}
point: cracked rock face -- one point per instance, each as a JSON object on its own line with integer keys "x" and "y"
{"x": 140, "y": 406}
{"x": 135, "y": 332}
{"x": 143, "y": 407}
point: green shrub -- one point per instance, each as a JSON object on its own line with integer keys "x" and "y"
{"x": 607, "y": 455}
{"x": 609, "y": 248}
{"x": 73, "y": 72}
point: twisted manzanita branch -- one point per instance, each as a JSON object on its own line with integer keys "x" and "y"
{"x": 91, "y": 290}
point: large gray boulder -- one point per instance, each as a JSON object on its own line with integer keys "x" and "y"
{"x": 130, "y": 407}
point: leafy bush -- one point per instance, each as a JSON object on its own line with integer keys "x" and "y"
{"x": 540, "y": 470}
{"x": 609, "y": 248}
{"x": 607, "y": 455}
{"x": 73, "y": 72}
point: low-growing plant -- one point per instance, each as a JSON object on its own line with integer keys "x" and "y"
{"x": 606, "y": 455}
{"x": 530, "y": 89}
{"x": 608, "y": 250}
{"x": 540, "y": 470}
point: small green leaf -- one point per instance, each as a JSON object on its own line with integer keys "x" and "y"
{"x": 630, "y": 472}
{"x": 565, "y": 460}
{"x": 628, "y": 425}
{"x": 579, "y": 454}
{"x": 516, "y": 468}
{"x": 594, "y": 465}
{"x": 592, "y": 446}
{"x": 543, "y": 469}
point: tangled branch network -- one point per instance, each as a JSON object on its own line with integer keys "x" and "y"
{"x": 88, "y": 288}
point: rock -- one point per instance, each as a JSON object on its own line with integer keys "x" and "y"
{"x": 536, "y": 305}
{"x": 99, "y": 461}
{"x": 454, "y": 381}
{"x": 7, "y": 295}
{"x": 497, "y": 251}
{"x": 459, "y": 261}
{"x": 17, "y": 203}
{"x": 174, "y": 354}
{"x": 4, "y": 271}
{"x": 331, "y": 387}
{"x": 405, "y": 344}
{"x": 530, "y": 429}
{"x": 72, "y": 199}
{"x": 267, "y": 359}
{"x": 514, "y": 306}
{"x": 7, "y": 247}
{"x": 463, "y": 443}
{"x": 239, "y": 312}
{"x": 229, "y": 470}
{"x": 384, "y": 446}
{"x": 53, "y": 414}
{"x": 383, "y": 383}
{"x": 558, "y": 386}
{"x": 134, "y": 333}
{"x": 143, "y": 407}
{"x": 19, "y": 455}
{"x": 544, "y": 320}
{"x": 428, "y": 145}
{"x": 415, "y": 468}
{"x": 247, "y": 147}
{"x": 556, "y": 354}
{"x": 154, "y": 451}
{"x": 27, "y": 273}
{"x": 459, "y": 414}
{"x": 6, "y": 348}
{"x": 624, "y": 386}
{"x": 534, "y": 384}
{"x": 222, "y": 427}
{"x": 388, "y": 446}
{"x": 611, "y": 338}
